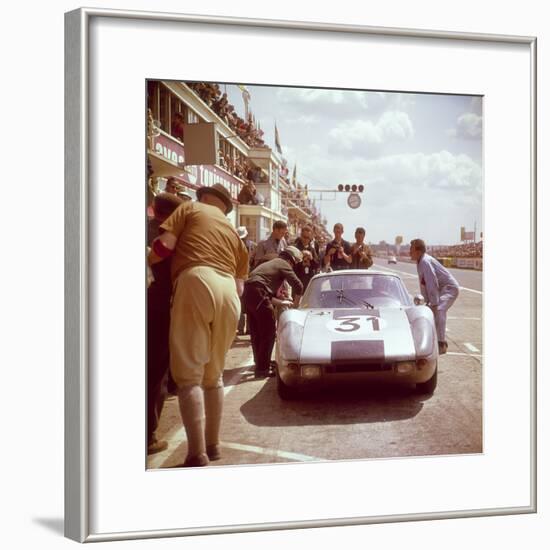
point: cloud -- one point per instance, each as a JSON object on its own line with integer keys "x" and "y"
{"x": 303, "y": 120}
{"x": 339, "y": 104}
{"x": 403, "y": 176}
{"x": 468, "y": 126}
{"x": 414, "y": 194}
{"x": 365, "y": 136}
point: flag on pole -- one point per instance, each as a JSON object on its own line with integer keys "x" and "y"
{"x": 277, "y": 141}
{"x": 246, "y": 98}
{"x": 294, "y": 176}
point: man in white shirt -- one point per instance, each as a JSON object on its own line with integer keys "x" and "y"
{"x": 437, "y": 285}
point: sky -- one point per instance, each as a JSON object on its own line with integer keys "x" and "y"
{"x": 419, "y": 156}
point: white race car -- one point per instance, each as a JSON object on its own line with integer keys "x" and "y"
{"x": 356, "y": 324}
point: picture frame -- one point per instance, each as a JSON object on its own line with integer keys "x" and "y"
{"x": 86, "y": 285}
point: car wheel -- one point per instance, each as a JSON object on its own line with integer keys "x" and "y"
{"x": 285, "y": 392}
{"x": 429, "y": 386}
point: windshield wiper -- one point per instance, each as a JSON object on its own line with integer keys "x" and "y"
{"x": 342, "y": 296}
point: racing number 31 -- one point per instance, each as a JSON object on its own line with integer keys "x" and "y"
{"x": 351, "y": 324}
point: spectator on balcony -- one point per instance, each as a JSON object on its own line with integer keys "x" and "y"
{"x": 231, "y": 117}
{"x": 338, "y": 251}
{"x": 240, "y": 169}
{"x": 220, "y": 105}
{"x": 222, "y": 159}
{"x": 248, "y": 194}
{"x": 178, "y": 121}
{"x": 255, "y": 174}
{"x": 274, "y": 244}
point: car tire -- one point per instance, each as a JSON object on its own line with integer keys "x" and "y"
{"x": 429, "y": 386}
{"x": 284, "y": 391}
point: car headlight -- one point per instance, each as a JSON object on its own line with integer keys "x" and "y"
{"x": 290, "y": 340}
{"x": 405, "y": 367}
{"x": 311, "y": 371}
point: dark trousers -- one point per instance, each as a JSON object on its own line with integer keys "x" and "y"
{"x": 158, "y": 362}
{"x": 261, "y": 323}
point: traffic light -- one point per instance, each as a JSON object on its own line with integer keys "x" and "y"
{"x": 351, "y": 188}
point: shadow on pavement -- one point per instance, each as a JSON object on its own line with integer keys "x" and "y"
{"x": 230, "y": 378}
{"x": 357, "y": 404}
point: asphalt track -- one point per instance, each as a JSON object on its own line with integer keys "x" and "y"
{"x": 467, "y": 278}
{"x": 358, "y": 423}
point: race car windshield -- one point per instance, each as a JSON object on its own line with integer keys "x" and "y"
{"x": 361, "y": 290}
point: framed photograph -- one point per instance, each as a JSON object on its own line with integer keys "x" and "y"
{"x": 293, "y": 294}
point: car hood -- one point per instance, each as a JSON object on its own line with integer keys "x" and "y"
{"x": 342, "y": 335}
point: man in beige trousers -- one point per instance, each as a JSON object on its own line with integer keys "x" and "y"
{"x": 209, "y": 266}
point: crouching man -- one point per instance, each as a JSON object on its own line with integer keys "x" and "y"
{"x": 259, "y": 290}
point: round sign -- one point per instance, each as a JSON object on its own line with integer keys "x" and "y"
{"x": 354, "y": 200}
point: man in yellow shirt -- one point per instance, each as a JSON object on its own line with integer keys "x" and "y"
{"x": 209, "y": 266}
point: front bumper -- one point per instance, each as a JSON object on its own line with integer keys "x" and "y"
{"x": 298, "y": 375}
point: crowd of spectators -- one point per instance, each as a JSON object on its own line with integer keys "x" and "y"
{"x": 212, "y": 95}
{"x": 467, "y": 250}
{"x": 239, "y": 166}
{"x": 252, "y": 135}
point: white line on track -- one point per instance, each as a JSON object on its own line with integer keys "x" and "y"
{"x": 471, "y": 290}
{"x": 465, "y": 318}
{"x": 269, "y": 452}
{"x": 176, "y": 435}
{"x": 459, "y": 354}
{"x": 406, "y": 274}
{"x": 410, "y": 275}
{"x": 471, "y": 347}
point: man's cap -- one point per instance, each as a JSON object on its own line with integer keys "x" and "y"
{"x": 219, "y": 191}
{"x": 185, "y": 196}
{"x": 242, "y": 231}
{"x": 294, "y": 253}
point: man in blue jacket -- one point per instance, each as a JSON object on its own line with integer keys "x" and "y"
{"x": 437, "y": 285}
